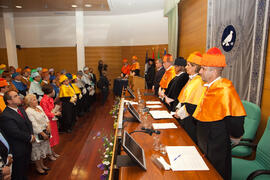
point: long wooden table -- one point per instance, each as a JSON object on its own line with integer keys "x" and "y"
{"x": 168, "y": 137}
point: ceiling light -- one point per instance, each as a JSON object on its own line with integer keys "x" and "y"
{"x": 74, "y": 5}
{"x": 88, "y": 5}
{"x": 19, "y": 7}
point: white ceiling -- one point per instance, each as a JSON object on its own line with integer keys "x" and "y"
{"x": 117, "y": 7}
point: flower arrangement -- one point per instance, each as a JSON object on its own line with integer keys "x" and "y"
{"x": 106, "y": 156}
{"x": 115, "y": 110}
{"x": 108, "y": 141}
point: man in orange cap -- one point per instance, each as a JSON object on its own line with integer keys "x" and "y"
{"x": 168, "y": 75}
{"x": 135, "y": 67}
{"x": 220, "y": 114}
{"x": 190, "y": 95}
{"x": 125, "y": 70}
{"x": 25, "y": 77}
{"x": 3, "y": 88}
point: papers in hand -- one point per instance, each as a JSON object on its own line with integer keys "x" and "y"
{"x": 153, "y": 102}
{"x": 131, "y": 102}
{"x": 164, "y": 126}
{"x": 154, "y": 106}
{"x": 160, "y": 114}
{"x": 185, "y": 158}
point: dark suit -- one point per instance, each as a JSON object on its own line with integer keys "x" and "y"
{"x": 18, "y": 131}
{"x": 150, "y": 76}
{"x": 3, "y": 151}
{"x": 158, "y": 77}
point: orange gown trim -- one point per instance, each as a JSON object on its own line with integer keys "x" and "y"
{"x": 125, "y": 69}
{"x": 192, "y": 91}
{"x": 219, "y": 100}
{"x": 2, "y": 104}
{"x": 167, "y": 77}
{"x": 135, "y": 66}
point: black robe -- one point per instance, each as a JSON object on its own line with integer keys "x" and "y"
{"x": 174, "y": 88}
{"x": 158, "y": 77}
{"x": 150, "y": 76}
{"x": 214, "y": 141}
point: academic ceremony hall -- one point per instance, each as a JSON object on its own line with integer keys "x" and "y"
{"x": 134, "y": 89}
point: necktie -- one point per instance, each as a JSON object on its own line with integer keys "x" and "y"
{"x": 20, "y": 113}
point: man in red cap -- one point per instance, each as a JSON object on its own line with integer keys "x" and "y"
{"x": 125, "y": 68}
{"x": 3, "y": 89}
{"x": 168, "y": 75}
{"x": 219, "y": 113}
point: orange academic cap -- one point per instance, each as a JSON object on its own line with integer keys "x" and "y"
{"x": 19, "y": 70}
{"x": 213, "y": 58}
{"x": 3, "y": 82}
{"x": 167, "y": 58}
{"x": 195, "y": 57}
{"x": 134, "y": 57}
{"x": 125, "y": 60}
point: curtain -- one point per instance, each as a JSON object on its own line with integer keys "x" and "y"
{"x": 238, "y": 28}
{"x": 171, "y": 11}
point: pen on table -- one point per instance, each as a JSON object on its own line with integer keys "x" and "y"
{"x": 177, "y": 157}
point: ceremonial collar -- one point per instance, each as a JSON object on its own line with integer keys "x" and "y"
{"x": 209, "y": 84}
{"x": 193, "y": 76}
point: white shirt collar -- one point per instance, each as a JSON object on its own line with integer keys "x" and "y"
{"x": 159, "y": 68}
{"x": 209, "y": 84}
{"x": 193, "y": 76}
{"x": 179, "y": 73}
{"x": 1, "y": 94}
{"x": 25, "y": 78}
{"x": 17, "y": 80}
{"x": 15, "y": 109}
{"x": 169, "y": 68}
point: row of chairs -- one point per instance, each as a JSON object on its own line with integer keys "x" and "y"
{"x": 259, "y": 168}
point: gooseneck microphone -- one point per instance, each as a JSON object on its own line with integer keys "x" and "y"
{"x": 147, "y": 131}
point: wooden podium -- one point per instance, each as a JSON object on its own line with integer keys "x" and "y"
{"x": 136, "y": 82}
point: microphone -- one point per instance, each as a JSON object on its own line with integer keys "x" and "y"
{"x": 151, "y": 131}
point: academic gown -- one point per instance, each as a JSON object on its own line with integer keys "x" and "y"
{"x": 65, "y": 94}
{"x": 158, "y": 76}
{"x": 189, "y": 97}
{"x": 174, "y": 88}
{"x": 150, "y": 76}
{"x": 220, "y": 114}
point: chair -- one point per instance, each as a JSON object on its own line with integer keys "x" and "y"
{"x": 258, "y": 169}
{"x": 252, "y": 121}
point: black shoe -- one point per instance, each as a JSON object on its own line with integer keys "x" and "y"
{"x": 46, "y": 169}
{"x": 42, "y": 173}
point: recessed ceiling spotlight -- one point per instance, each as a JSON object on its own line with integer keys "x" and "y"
{"x": 88, "y": 5}
{"x": 74, "y": 5}
{"x": 19, "y": 7}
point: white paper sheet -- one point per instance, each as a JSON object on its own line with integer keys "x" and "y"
{"x": 185, "y": 158}
{"x": 131, "y": 102}
{"x": 161, "y": 114}
{"x": 164, "y": 126}
{"x": 154, "y": 106}
{"x": 153, "y": 102}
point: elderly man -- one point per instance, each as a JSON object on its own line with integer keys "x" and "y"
{"x": 159, "y": 74}
{"x": 168, "y": 75}
{"x": 220, "y": 113}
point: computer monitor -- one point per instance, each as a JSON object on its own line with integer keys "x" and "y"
{"x": 134, "y": 150}
{"x": 133, "y": 112}
{"x": 131, "y": 92}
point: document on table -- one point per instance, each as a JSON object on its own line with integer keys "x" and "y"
{"x": 154, "y": 106}
{"x": 164, "y": 126}
{"x": 185, "y": 158}
{"x": 153, "y": 102}
{"x": 131, "y": 102}
{"x": 160, "y": 114}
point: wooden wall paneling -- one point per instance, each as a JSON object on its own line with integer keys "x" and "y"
{"x": 111, "y": 55}
{"x": 3, "y": 56}
{"x": 59, "y": 58}
{"x": 192, "y": 26}
{"x": 265, "y": 105}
